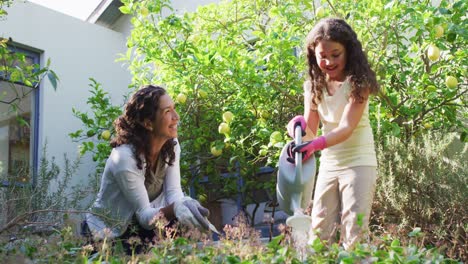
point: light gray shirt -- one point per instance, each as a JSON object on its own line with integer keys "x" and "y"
{"x": 123, "y": 193}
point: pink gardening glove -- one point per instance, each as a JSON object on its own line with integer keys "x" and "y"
{"x": 308, "y": 148}
{"x": 292, "y": 124}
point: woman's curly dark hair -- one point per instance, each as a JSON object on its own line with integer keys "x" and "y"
{"x": 129, "y": 128}
{"x": 361, "y": 76}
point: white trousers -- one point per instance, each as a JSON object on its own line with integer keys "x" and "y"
{"x": 343, "y": 200}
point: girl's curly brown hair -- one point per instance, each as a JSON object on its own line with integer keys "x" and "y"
{"x": 129, "y": 128}
{"x": 361, "y": 76}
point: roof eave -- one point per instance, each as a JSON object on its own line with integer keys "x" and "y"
{"x": 106, "y": 13}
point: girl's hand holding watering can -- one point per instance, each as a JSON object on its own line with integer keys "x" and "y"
{"x": 306, "y": 148}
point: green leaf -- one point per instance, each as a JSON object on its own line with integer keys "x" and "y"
{"x": 395, "y": 243}
{"x": 275, "y": 242}
{"x": 52, "y": 79}
{"x": 463, "y": 137}
{"x": 28, "y": 83}
{"x": 22, "y": 121}
{"x": 318, "y": 245}
{"x": 451, "y": 37}
{"x": 125, "y": 10}
{"x": 180, "y": 241}
{"x": 416, "y": 232}
{"x": 360, "y": 219}
{"x": 233, "y": 259}
{"x": 444, "y": 11}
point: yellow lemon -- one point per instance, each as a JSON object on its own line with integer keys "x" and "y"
{"x": 105, "y": 135}
{"x": 451, "y": 82}
{"x": 433, "y": 53}
{"x": 224, "y": 128}
{"x": 181, "y": 98}
{"x": 228, "y": 116}
{"x": 216, "y": 152}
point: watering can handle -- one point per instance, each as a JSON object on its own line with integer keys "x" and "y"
{"x": 298, "y": 155}
{"x": 298, "y": 134}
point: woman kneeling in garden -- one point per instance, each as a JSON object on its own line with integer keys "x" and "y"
{"x": 141, "y": 179}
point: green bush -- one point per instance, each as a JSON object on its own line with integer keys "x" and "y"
{"x": 424, "y": 183}
{"x": 246, "y": 57}
{"x": 238, "y": 56}
{"x": 101, "y": 119}
{"x": 414, "y": 95}
{"x": 42, "y": 204}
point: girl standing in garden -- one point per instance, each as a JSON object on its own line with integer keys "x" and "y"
{"x": 336, "y": 95}
{"x": 141, "y": 179}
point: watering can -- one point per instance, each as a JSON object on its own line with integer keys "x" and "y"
{"x": 295, "y": 185}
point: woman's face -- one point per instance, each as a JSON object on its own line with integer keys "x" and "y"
{"x": 167, "y": 119}
{"x": 331, "y": 59}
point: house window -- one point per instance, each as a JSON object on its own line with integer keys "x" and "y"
{"x": 18, "y": 123}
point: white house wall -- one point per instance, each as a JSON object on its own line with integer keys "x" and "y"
{"x": 78, "y": 50}
{"x": 124, "y": 26}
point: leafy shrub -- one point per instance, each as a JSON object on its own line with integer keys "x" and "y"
{"x": 103, "y": 114}
{"x": 424, "y": 183}
{"x": 246, "y": 57}
{"x": 40, "y": 205}
{"x": 238, "y": 56}
{"x": 15, "y": 71}
{"x": 396, "y": 36}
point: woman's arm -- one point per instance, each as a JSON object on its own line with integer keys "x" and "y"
{"x": 131, "y": 182}
{"x": 132, "y": 185}
{"x": 172, "y": 186}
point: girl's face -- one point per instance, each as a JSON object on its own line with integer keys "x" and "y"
{"x": 331, "y": 59}
{"x": 165, "y": 124}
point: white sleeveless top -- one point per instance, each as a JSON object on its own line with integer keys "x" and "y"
{"x": 358, "y": 149}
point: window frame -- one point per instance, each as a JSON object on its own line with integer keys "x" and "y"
{"x": 35, "y": 57}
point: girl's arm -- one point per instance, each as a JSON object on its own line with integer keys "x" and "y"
{"x": 312, "y": 119}
{"x": 311, "y": 115}
{"x": 351, "y": 116}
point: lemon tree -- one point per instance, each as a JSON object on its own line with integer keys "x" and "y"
{"x": 246, "y": 58}
{"x": 242, "y": 76}
{"x": 413, "y": 62}
{"x": 97, "y": 127}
